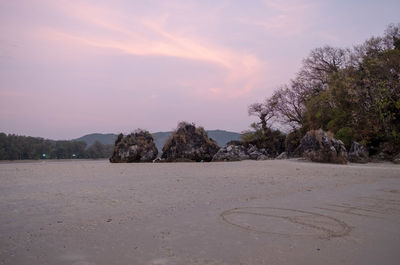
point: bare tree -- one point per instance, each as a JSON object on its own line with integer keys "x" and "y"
{"x": 264, "y": 112}
{"x": 289, "y": 104}
{"x": 319, "y": 65}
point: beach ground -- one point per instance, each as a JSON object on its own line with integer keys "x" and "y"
{"x": 248, "y": 212}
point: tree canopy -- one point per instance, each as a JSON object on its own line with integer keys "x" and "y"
{"x": 353, "y": 93}
{"x": 16, "y": 147}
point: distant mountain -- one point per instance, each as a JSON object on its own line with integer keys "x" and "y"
{"x": 160, "y": 138}
{"x": 89, "y": 139}
{"x": 220, "y": 136}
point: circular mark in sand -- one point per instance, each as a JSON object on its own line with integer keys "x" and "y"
{"x": 286, "y": 222}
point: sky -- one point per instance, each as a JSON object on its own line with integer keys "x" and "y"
{"x": 69, "y": 68}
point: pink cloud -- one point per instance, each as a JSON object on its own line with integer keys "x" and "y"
{"x": 148, "y": 36}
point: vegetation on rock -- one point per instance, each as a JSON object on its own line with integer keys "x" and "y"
{"x": 319, "y": 146}
{"x": 189, "y": 143}
{"x": 273, "y": 141}
{"x": 135, "y": 147}
{"x": 352, "y": 93}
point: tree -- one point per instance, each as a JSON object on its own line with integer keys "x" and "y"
{"x": 288, "y": 104}
{"x": 314, "y": 75}
{"x": 96, "y": 150}
{"x": 15, "y": 147}
{"x": 354, "y": 93}
{"x": 264, "y": 112}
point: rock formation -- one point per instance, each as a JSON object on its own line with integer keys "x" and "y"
{"x": 231, "y": 153}
{"x": 135, "y": 147}
{"x": 317, "y": 146}
{"x": 188, "y": 143}
{"x": 358, "y": 153}
{"x": 396, "y": 159}
{"x": 237, "y": 152}
{"x": 283, "y": 155}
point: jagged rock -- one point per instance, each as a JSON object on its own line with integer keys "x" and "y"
{"x": 283, "y": 155}
{"x": 252, "y": 148}
{"x": 255, "y": 155}
{"x": 396, "y": 159}
{"x": 189, "y": 143}
{"x": 358, "y": 153}
{"x": 231, "y": 153}
{"x": 158, "y": 160}
{"x": 262, "y": 157}
{"x": 380, "y": 157}
{"x": 258, "y": 154}
{"x": 135, "y": 147}
{"x": 239, "y": 152}
{"x": 385, "y": 156}
{"x": 317, "y": 146}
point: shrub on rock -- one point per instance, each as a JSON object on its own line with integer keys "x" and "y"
{"x": 271, "y": 141}
{"x": 135, "y": 147}
{"x": 318, "y": 146}
{"x": 292, "y": 143}
{"x": 188, "y": 143}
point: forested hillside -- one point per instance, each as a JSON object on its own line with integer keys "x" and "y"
{"x": 354, "y": 93}
{"x": 15, "y": 147}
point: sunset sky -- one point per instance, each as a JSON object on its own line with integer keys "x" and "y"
{"x": 69, "y": 68}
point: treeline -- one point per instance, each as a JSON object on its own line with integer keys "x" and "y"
{"x": 352, "y": 93}
{"x": 15, "y": 147}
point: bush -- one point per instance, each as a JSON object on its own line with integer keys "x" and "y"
{"x": 292, "y": 140}
{"x": 346, "y": 135}
{"x": 271, "y": 140}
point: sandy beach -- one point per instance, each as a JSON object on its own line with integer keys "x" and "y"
{"x": 248, "y": 212}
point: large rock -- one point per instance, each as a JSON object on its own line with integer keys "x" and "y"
{"x": 231, "y": 153}
{"x": 260, "y": 154}
{"x": 238, "y": 152}
{"x": 283, "y": 155}
{"x": 189, "y": 143}
{"x": 253, "y": 152}
{"x": 358, "y": 153}
{"x": 317, "y": 146}
{"x": 135, "y": 147}
{"x": 396, "y": 159}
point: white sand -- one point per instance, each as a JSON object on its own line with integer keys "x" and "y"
{"x": 249, "y": 212}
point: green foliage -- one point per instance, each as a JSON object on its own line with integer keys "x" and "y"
{"x": 272, "y": 140}
{"x": 255, "y": 137}
{"x": 353, "y": 93}
{"x": 292, "y": 140}
{"x": 361, "y": 102}
{"x": 99, "y": 150}
{"x": 346, "y": 135}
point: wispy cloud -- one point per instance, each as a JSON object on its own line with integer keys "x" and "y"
{"x": 149, "y": 36}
